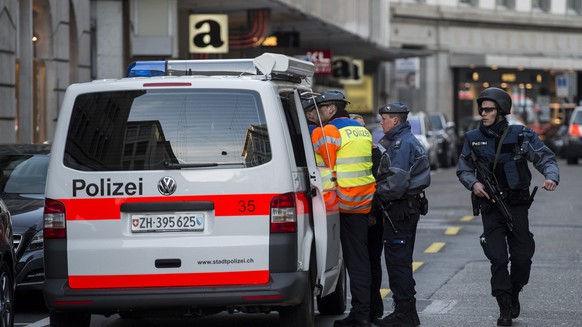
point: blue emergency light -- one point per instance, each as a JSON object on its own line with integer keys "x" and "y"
{"x": 146, "y": 69}
{"x": 266, "y": 64}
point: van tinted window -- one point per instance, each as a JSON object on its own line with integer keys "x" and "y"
{"x": 165, "y": 129}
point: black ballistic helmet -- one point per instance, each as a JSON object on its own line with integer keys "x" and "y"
{"x": 499, "y": 96}
{"x": 393, "y": 108}
{"x": 324, "y": 97}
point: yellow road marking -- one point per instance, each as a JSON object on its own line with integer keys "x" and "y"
{"x": 385, "y": 291}
{"x": 452, "y": 230}
{"x": 434, "y": 247}
{"x": 467, "y": 218}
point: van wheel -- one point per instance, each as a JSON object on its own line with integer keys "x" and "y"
{"x": 335, "y": 303}
{"x": 302, "y": 314}
{"x": 69, "y": 319}
{"x": 6, "y": 296}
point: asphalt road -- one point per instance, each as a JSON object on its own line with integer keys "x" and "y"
{"x": 451, "y": 272}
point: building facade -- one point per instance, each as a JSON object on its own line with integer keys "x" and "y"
{"x": 45, "y": 46}
{"x": 533, "y": 49}
{"x": 49, "y": 44}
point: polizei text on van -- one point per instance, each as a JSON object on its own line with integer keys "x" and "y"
{"x": 105, "y": 187}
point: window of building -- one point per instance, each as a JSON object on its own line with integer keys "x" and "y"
{"x": 540, "y": 5}
{"x": 573, "y": 7}
{"x": 505, "y": 4}
{"x": 472, "y": 3}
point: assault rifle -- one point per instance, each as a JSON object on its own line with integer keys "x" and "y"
{"x": 493, "y": 189}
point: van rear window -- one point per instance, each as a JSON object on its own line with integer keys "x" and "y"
{"x": 167, "y": 129}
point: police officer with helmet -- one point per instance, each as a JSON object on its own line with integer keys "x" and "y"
{"x": 402, "y": 176}
{"x": 499, "y": 153}
{"x": 346, "y": 147}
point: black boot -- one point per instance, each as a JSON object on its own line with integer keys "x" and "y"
{"x": 404, "y": 315}
{"x": 415, "y": 318}
{"x": 515, "y": 307}
{"x": 350, "y": 321}
{"x": 505, "y": 311}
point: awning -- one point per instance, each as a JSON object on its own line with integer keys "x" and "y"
{"x": 313, "y": 33}
{"x": 513, "y": 61}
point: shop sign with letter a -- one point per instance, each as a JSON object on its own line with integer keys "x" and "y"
{"x": 208, "y": 33}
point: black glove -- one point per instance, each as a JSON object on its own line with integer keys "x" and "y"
{"x": 399, "y": 210}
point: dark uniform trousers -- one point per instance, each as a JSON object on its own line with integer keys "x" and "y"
{"x": 375, "y": 246}
{"x": 495, "y": 242}
{"x": 354, "y": 240}
{"x": 398, "y": 250}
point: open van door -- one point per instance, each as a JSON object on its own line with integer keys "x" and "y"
{"x": 326, "y": 219}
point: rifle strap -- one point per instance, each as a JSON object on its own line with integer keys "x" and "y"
{"x": 499, "y": 147}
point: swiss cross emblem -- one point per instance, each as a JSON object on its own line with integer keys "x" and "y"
{"x": 135, "y": 222}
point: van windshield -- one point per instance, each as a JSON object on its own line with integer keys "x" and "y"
{"x": 161, "y": 129}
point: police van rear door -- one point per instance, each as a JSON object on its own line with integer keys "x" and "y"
{"x": 325, "y": 215}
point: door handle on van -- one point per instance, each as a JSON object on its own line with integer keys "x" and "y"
{"x": 312, "y": 191}
{"x": 168, "y": 263}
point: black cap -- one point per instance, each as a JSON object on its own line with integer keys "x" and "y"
{"x": 326, "y": 96}
{"x": 393, "y": 108}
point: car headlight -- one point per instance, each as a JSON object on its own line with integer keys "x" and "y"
{"x": 37, "y": 242}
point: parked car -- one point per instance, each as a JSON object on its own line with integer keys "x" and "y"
{"x": 24, "y": 171}
{"x": 421, "y": 128}
{"x": 6, "y": 268}
{"x": 557, "y": 140}
{"x": 445, "y": 131}
{"x": 573, "y": 146}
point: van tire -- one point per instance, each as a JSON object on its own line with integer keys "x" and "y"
{"x": 335, "y": 303}
{"x": 302, "y": 314}
{"x": 69, "y": 319}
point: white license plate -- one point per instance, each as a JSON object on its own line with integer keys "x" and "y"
{"x": 177, "y": 222}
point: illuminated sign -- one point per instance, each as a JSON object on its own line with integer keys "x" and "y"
{"x": 321, "y": 58}
{"x": 508, "y": 77}
{"x": 208, "y": 33}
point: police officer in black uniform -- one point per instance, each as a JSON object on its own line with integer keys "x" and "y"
{"x": 375, "y": 244}
{"x": 502, "y": 152}
{"x": 402, "y": 176}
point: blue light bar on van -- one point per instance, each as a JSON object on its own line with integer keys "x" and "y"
{"x": 267, "y": 64}
{"x": 146, "y": 69}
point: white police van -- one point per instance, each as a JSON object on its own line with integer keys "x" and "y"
{"x": 190, "y": 188}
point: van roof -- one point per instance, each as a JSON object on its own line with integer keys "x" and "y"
{"x": 269, "y": 65}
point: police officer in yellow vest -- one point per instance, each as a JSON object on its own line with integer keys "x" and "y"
{"x": 346, "y": 146}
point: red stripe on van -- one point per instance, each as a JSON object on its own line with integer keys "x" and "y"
{"x": 224, "y": 205}
{"x": 170, "y": 280}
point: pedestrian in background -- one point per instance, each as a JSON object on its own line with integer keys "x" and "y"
{"x": 502, "y": 152}
{"x": 403, "y": 175}
{"x": 375, "y": 232}
{"x": 346, "y": 147}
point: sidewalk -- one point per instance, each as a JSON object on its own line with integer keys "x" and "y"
{"x": 553, "y": 298}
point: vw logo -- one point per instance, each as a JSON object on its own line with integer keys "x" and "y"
{"x": 167, "y": 186}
